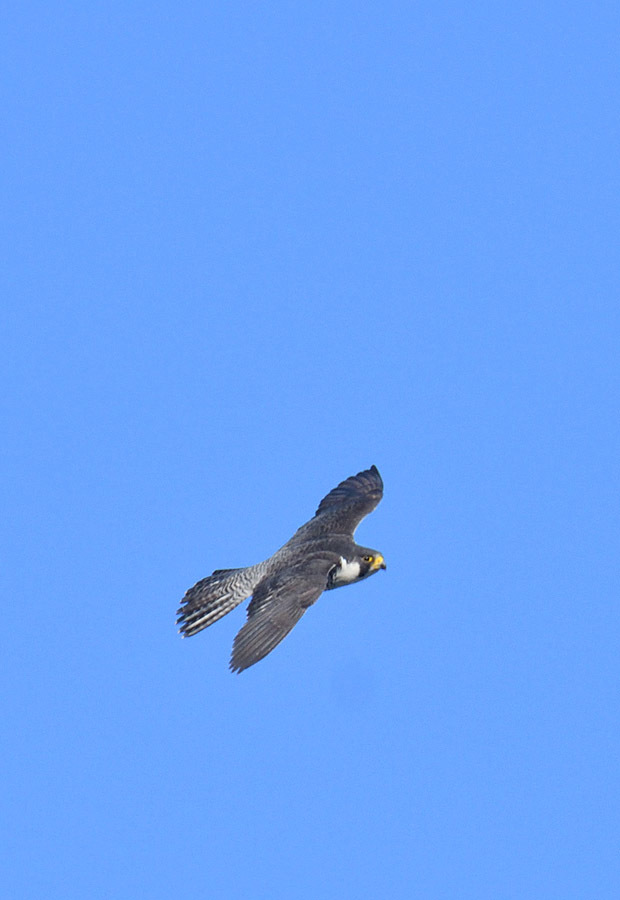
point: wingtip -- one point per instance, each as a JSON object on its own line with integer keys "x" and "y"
{"x": 374, "y": 471}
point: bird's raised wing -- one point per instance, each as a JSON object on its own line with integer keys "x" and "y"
{"x": 278, "y": 603}
{"x": 345, "y": 506}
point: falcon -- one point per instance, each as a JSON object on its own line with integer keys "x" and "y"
{"x": 320, "y": 556}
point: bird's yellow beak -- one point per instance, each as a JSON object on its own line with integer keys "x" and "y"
{"x": 378, "y": 563}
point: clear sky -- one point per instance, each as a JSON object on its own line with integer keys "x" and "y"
{"x": 250, "y": 249}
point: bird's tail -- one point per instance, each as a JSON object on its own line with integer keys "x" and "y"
{"x": 213, "y": 597}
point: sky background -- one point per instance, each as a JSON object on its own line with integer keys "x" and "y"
{"x": 248, "y": 250}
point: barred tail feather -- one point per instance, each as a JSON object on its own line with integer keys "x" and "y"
{"x": 213, "y": 597}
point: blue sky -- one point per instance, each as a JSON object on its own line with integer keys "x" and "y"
{"x": 251, "y": 249}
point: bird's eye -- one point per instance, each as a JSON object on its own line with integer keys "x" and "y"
{"x": 368, "y": 558}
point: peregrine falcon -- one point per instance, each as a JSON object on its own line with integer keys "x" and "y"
{"x": 320, "y": 556}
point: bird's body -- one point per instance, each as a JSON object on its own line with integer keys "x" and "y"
{"x": 320, "y": 556}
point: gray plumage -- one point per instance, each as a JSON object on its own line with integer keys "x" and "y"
{"x": 320, "y": 556}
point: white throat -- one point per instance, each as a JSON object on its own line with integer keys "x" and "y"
{"x": 345, "y": 572}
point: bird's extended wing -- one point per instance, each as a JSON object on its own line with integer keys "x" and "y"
{"x": 345, "y": 506}
{"x": 278, "y": 603}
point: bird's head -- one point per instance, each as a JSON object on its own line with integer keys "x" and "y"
{"x": 370, "y": 562}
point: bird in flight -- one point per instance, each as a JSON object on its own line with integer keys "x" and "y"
{"x": 320, "y": 556}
